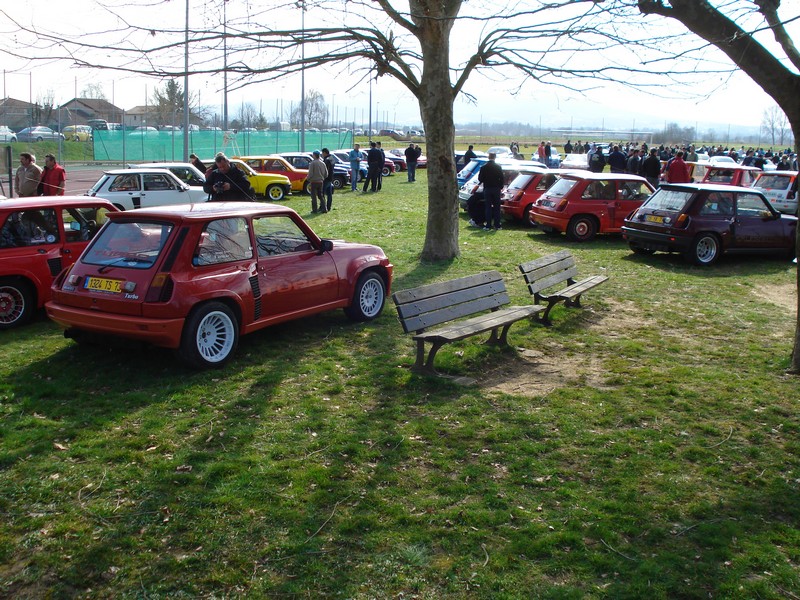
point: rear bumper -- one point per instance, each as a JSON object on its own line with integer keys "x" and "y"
{"x": 558, "y": 223}
{"x": 654, "y": 240}
{"x": 159, "y": 332}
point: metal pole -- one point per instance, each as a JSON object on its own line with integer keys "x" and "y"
{"x": 303, "y": 77}
{"x": 225, "y": 65}
{"x": 186, "y": 90}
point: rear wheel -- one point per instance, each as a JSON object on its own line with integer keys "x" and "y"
{"x": 275, "y": 192}
{"x": 338, "y": 183}
{"x": 305, "y": 188}
{"x": 210, "y": 336}
{"x": 368, "y": 298}
{"x": 386, "y": 171}
{"x": 582, "y": 228}
{"x": 525, "y": 216}
{"x": 16, "y": 302}
{"x": 705, "y": 250}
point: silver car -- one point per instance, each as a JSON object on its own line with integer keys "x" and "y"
{"x": 39, "y": 134}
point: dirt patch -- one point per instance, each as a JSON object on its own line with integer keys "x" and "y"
{"x": 783, "y": 295}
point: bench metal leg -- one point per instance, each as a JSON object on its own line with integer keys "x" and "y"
{"x": 544, "y": 318}
{"x": 575, "y": 302}
{"x": 426, "y": 366}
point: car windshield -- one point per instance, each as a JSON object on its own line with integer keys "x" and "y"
{"x": 130, "y": 244}
{"x": 671, "y": 200}
{"x": 562, "y": 187}
{"x": 773, "y": 182}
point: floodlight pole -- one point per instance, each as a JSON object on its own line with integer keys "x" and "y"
{"x": 303, "y": 76}
{"x": 186, "y": 89}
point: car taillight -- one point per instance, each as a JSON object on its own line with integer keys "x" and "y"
{"x": 682, "y": 220}
{"x": 562, "y": 205}
{"x": 160, "y": 289}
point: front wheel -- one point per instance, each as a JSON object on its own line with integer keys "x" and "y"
{"x": 210, "y": 336}
{"x": 306, "y": 188}
{"x": 39, "y": 139}
{"x": 275, "y": 192}
{"x": 582, "y": 229}
{"x": 368, "y": 298}
{"x": 16, "y": 303}
{"x": 386, "y": 171}
{"x": 705, "y": 250}
{"x": 338, "y": 183}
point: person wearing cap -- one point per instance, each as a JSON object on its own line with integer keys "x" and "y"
{"x": 226, "y": 182}
{"x": 316, "y": 176}
{"x": 54, "y": 177}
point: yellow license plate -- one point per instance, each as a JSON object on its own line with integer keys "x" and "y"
{"x": 653, "y": 219}
{"x": 99, "y": 284}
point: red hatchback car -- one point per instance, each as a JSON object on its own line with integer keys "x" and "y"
{"x": 40, "y": 236}
{"x": 584, "y": 204}
{"x": 195, "y": 277}
{"x": 525, "y": 189}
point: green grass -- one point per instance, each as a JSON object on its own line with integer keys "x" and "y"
{"x": 645, "y": 446}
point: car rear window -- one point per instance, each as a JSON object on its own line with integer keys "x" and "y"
{"x": 562, "y": 187}
{"x": 131, "y": 244}
{"x": 774, "y": 182}
{"x": 520, "y": 182}
{"x": 669, "y": 200}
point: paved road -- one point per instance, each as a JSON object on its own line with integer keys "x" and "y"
{"x": 79, "y": 178}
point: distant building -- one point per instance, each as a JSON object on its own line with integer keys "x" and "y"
{"x": 79, "y": 111}
{"x": 18, "y": 114}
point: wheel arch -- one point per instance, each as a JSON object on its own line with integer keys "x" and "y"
{"x": 29, "y": 280}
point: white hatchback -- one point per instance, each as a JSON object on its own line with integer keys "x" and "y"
{"x": 780, "y": 189}
{"x": 128, "y": 189}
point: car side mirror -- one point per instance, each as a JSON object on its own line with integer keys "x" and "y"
{"x": 325, "y": 246}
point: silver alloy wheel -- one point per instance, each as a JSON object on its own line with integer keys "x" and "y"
{"x": 371, "y": 298}
{"x": 215, "y": 336}
{"x": 706, "y": 249}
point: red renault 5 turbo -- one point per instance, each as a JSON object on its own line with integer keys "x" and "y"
{"x": 39, "y": 236}
{"x": 584, "y": 204}
{"x": 195, "y": 277}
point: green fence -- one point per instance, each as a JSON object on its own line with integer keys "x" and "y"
{"x": 165, "y": 146}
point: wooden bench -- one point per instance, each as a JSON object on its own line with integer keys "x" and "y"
{"x": 553, "y": 270}
{"x": 467, "y": 298}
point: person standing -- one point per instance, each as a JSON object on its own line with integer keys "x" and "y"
{"x": 651, "y": 167}
{"x": 597, "y": 162}
{"x": 491, "y": 176}
{"x": 28, "y": 176}
{"x": 374, "y": 166}
{"x": 617, "y": 160}
{"x": 568, "y": 147}
{"x": 412, "y": 154}
{"x": 316, "y": 176}
{"x": 548, "y": 154}
{"x": 54, "y": 177}
{"x": 197, "y": 163}
{"x": 634, "y": 164}
{"x": 383, "y": 164}
{"x": 327, "y": 184}
{"x": 226, "y": 182}
{"x": 678, "y": 170}
{"x": 354, "y": 156}
{"x": 469, "y": 155}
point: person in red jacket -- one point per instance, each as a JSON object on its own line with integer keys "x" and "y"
{"x": 678, "y": 170}
{"x": 54, "y": 178}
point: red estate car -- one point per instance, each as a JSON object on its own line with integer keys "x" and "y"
{"x": 39, "y": 237}
{"x": 704, "y": 220}
{"x": 585, "y": 204}
{"x": 195, "y": 277}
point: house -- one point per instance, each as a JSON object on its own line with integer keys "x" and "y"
{"x": 18, "y": 114}
{"x": 79, "y": 110}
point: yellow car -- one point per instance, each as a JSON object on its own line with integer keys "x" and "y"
{"x": 278, "y": 164}
{"x": 77, "y": 133}
{"x": 270, "y": 185}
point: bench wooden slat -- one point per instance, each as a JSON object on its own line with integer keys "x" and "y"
{"x": 480, "y": 324}
{"x": 552, "y": 279}
{"x": 444, "y": 287}
{"x": 456, "y": 311}
{"x": 424, "y": 304}
{"x": 550, "y": 259}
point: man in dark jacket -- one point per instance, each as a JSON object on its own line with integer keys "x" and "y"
{"x": 374, "y": 167}
{"x": 227, "y": 183}
{"x": 651, "y": 168}
{"x": 617, "y": 160}
{"x": 412, "y": 154}
{"x": 491, "y": 176}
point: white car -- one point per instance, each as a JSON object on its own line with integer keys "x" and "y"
{"x": 6, "y": 135}
{"x": 186, "y": 172}
{"x": 778, "y": 187}
{"x": 145, "y": 187}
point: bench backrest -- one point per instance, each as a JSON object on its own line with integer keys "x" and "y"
{"x": 436, "y": 303}
{"x": 549, "y": 270}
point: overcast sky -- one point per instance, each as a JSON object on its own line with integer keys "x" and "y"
{"x": 720, "y": 102}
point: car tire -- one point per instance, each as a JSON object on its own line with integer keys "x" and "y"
{"x": 39, "y": 139}
{"x": 386, "y": 171}
{"x": 306, "y": 191}
{"x": 17, "y": 300}
{"x": 368, "y": 298}
{"x": 275, "y": 192}
{"x": 582, "y": 228}
{"x": 526, "y": 219}
{"x": 636, "y": 249}
{"x": 210, "y": 336}
{"x": 338, "y": 182}
{"x": 76, "y": 139}
{"x": 705, "y": 250}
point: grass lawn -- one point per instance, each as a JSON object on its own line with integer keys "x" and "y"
{"x": 645, "y": 446}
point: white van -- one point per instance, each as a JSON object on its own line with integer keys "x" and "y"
{"x": 780, "y": 189}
